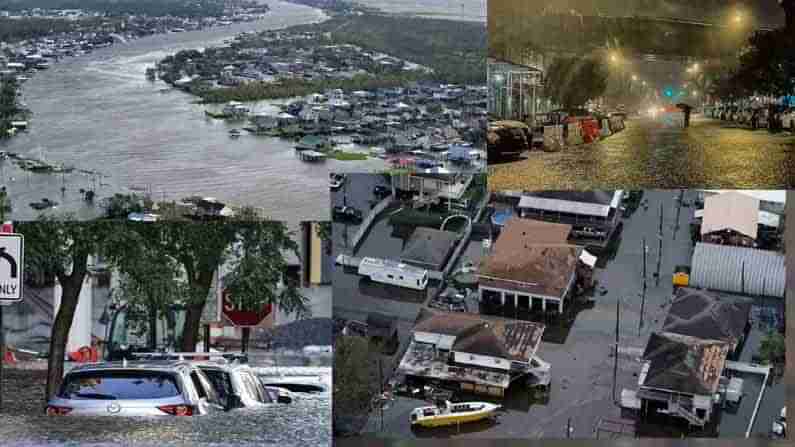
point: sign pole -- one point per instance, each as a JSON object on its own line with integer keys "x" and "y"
{"x": 2, "y": 354}
{"x": 7, "y": 228}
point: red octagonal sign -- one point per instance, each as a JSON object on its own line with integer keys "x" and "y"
{"x": 243, "y": 318}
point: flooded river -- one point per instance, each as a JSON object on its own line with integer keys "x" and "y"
{"x": 305, "y": 422}
{"x": 98, "y": 112}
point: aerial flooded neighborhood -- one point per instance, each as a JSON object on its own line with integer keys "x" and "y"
{"x": 258, "y": 95}
{"x": 585, "y": 315}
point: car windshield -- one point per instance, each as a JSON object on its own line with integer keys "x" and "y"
{"x": 112, "y": 385}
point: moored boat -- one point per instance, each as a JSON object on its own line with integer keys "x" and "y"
{"x": 452, "y": 413}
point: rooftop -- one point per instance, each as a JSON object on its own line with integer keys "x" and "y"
{"x": 490, "y": 336}
{"x": 533, "y": 256}
{"x": 429, "y": 247}
{"x": 747, "y": 271}
{"x": 684, "y": 364}
{"x": 731, "y": 211}
{"x": 698, "y": 313}
{"x": 422, "y": 360}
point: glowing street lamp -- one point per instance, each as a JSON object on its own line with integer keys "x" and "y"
{"x": 634, "y": 78}
{"x": 738, "y": 18}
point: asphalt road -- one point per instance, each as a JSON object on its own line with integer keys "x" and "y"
{"x": 709, "y": 154}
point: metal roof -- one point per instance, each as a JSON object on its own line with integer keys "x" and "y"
{"x": 747, "y": 271}
{"x": 731, "y": 211}
{"x": 564, "y": 206}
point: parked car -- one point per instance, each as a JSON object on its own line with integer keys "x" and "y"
{"x": 136, "y": 388}
{"x": 347, "y": 214}
{"x": 381, "y": 191}
{"x": 336, "y": 181}
{"x": 779, "y": 429}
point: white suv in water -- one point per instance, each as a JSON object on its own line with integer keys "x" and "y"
{"x": 239, "y": 387}
{"x": 136, "y": 388}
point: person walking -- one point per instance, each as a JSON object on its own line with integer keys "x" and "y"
{"x": 687, "y": 109}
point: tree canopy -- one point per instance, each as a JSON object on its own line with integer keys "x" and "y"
{"x": 766, "y": 67}
{"x": 573, "y": 81}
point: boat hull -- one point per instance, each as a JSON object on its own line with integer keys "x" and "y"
{"x": 454, "y": 419}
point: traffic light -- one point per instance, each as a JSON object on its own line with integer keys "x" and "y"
{"x": 669, "y": 93}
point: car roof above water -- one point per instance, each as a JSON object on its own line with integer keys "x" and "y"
{"x": 148, "y": 365}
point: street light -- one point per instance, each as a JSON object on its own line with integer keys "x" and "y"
{"x": 634, "y": 78}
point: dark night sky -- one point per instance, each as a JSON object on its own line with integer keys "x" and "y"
{"x": 765, "y": 11}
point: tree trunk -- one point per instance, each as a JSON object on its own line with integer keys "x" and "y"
{"x": 70, "y": 293}
{"x": 190, "y": 335}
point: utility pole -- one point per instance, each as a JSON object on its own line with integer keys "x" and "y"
{"x": 660, "y": 238}
{"x": 381, "y": 395}
{"x": 678, "y": 211}
{"x": 568, "y": 429}
{"x": 643, "y": 293}
{"x": 615, "y": 359}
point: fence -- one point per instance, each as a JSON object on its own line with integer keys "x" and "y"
{"x": 365, "y": 226}
{"x": 465, "y": 240}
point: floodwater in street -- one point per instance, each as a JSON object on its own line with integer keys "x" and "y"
{"x": 304, "y": 422}
{"x": 99, "y": 113}
{"x": 710, "y": 154}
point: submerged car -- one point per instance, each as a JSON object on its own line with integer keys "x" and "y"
{"x": 347, "y": 213}
{"x": 136, "y": 388}
{"x": 239, "y": 387}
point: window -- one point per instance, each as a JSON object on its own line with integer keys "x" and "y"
{"x": 220, "y": 381}
{"x": 255, "y": 387}
{"x": 390, "y": 276}
{"x": 198, "y": 385}
{"x": 114, "y": 385}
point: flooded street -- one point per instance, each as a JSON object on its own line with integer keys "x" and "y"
{"x": 304, "y": 422}
{"x": 99, "y": 113}
{"x": 709, "y": 154}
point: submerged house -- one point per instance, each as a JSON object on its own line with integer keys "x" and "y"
{"x": 474, "y": 354}
{"x": 681, "y": 377}
{"x": 429, "y": 248}
{"x": 531, "y": 267}
{"x": 593, "y": 215}
{"x": 705, "y": 315}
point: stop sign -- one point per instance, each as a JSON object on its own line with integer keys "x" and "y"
{"x": 243, "y": 318}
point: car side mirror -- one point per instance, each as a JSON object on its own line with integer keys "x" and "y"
{"x": 233, "y": 401}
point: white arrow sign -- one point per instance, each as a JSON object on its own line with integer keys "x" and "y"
{"x": 12, "y": 263}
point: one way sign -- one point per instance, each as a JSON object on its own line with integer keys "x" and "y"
{"x": 11, "y": 266}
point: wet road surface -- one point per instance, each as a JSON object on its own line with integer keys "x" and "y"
{"x": 710, "y": 154}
